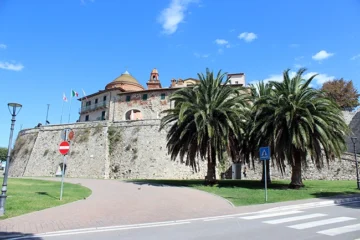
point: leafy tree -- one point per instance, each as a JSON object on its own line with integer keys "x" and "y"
{"x": 298, "y": 121}
{"x": 343, "y": 92}
{"x": 203, "y": 120}
{"x": 3, "y": 153}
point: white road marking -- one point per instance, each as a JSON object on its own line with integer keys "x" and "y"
{"x": 86, "y": 230}
{"x": 217, "y": 218}
{"x": 270, "y": 215}
{"x": 292, "y": 219}
{"x": 321, "y": 222}
{"x": 55, "y": 234}
{"x": 341, "y": 230}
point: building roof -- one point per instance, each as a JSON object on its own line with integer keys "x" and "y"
{"x": 155, "y": 71}
{"x": 232, "y": 74}
{"x": 124, "y": 79}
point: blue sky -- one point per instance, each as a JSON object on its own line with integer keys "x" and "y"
{"x": 50, "y": 47}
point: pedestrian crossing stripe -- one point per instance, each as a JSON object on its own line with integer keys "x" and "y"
{"x": 321, "y": 222}
{"x": 341, "y": 230}
{"x": 266, "y": 215}
{"x": 292, "y": 219}
{"x": 312, "y": 224}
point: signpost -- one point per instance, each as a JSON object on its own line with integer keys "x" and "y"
{"x": 64, "y": 148}
{"x": 265, "y": 156}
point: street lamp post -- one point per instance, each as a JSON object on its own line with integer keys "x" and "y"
{"x": 354, "y": 140}
{"x": 47, "y": 114}
{"x": 13, "y": 111}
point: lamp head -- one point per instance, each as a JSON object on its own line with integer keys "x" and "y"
{"x": 354, "y": 139}
{"x": 14, "y": 106}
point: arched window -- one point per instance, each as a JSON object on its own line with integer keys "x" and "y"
{"x": 133, "y": 114}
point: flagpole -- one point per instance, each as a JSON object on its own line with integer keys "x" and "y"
{"x": 62, "y": 111}
{"x": 70, "y": 106}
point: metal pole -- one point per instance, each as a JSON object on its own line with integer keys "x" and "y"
{"x": 47, "y": 114}
{"x": 357, "y": 167}
{"x": 62, "y": 177}
{"x": 4, "y": 186}
{"x": 63, "y": 167}
{"x": 265, "y": 181}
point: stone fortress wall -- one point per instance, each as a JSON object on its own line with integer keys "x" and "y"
{"x": 137, "y": 150}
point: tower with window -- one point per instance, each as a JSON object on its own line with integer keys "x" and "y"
{"x": 154, "y": 82}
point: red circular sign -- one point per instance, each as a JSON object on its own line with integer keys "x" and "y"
{"x": 64, "y": 148}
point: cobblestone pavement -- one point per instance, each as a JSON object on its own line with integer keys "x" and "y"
{"x": 116, "y": 203}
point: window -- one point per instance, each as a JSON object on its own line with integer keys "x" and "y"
{"x": 88, "y": 103}
{"x": 86, "y": 118}
{"x": 236, "y": 82}
{"x": 96, "y": 101}
{"x": 144, "y": 97}
{"x": 103, "y": 115}
{"x": 162, "y": 96}
{"x": 128, "y": 98}
{"x": 104, "y": 98}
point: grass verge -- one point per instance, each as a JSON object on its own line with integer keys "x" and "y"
{"x": 29, "y": 195}
{"x": 248, "y": 192}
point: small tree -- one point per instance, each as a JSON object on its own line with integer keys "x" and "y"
{"x": 343, "y": 92}
{"x": 3, "y": 153}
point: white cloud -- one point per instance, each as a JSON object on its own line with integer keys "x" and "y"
{"x": 84, "y": 1}
{"x": 297, "y": 66}
{"x": 3, "y": 46}
{"x": 294, "y": 45}
{"x": 173, "y": 15}
{"x": 322, "y": 55}
{"x": 319, "y": 80}
{"x": 11, "y": 66}
{"x": 198, "y": 55}
{"x": 355, "y": 57}
{"x": 221, "y": 41}
{"x": 247, "y": 36}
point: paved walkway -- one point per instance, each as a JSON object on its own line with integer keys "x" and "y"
{"x": 117, "y": 203}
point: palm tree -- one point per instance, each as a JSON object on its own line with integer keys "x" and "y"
{"x": 298, "y": 121}
{"x": 204, "y": 119}
{"x": 258, "y": 90}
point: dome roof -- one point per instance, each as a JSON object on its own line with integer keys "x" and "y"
{"x": 155, "y": 71}
{"x": 126, "y": 82}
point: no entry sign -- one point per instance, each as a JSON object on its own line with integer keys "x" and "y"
{"x": 64, "y": 148}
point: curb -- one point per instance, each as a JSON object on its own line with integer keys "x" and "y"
{"x": 334, "y": 202}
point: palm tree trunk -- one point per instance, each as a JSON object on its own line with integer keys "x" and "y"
{"x": 211, "y": 171}
{"x": 268, "y": 178}
{"x": 296, "y": 179}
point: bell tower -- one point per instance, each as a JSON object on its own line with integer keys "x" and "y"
{"x": 154, "y": 81}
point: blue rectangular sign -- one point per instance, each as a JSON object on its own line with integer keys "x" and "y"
{"x": 264, "y": 153}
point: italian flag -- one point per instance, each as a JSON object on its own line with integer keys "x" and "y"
{"x": 73, "y": 93}
{"x": 64, "y": 97}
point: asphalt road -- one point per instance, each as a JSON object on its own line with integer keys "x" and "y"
{"x": 332, "y": 222}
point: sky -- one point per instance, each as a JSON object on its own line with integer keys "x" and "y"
{"x": 48, "y": 48}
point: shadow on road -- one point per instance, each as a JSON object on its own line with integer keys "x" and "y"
{"x": 342, "y": 199}
{"x": 16, "y": 235}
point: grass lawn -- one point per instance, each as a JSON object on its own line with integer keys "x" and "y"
{"x": 247, "y": 192}
{"x": 29, "y": 195}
